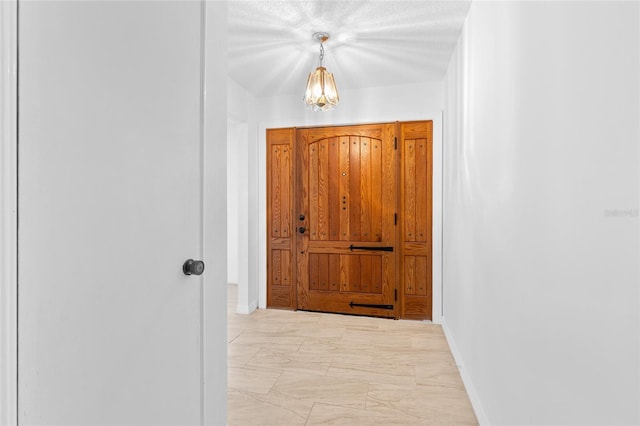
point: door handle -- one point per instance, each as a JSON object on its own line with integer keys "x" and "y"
{"x": 302, "y": 229}
{"x": 193, "y": 267}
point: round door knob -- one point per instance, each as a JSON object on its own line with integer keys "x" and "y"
{"x": 193, "y": 267}
{"x": 301, "y": 229}
{"x": 301, "y": 217}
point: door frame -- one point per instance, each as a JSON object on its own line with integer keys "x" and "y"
{"x": 213, "y": 149}
{"x": 261, "y": 217}
{"x": 9, "y": 212}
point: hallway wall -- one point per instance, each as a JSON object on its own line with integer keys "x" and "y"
{"x": 541, "y": 211}
{"x": 242, "y": 240}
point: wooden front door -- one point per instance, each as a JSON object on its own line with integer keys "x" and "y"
{"x": 349, "y": 219}
{"x": 346, "y": 208}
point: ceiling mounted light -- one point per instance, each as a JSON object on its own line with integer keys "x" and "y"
{"x": 321, "y": 92}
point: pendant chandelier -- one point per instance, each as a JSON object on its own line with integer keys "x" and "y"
{"x": 321, "y": 92}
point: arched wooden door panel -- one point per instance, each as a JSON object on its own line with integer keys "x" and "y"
{"x": 346, "y": 193}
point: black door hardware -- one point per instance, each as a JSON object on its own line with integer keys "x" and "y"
{"x": 302, "y": 229}
{"x": 301, "y": 217}
{"x": 352, "y": 248}
{"x": 193, "y": 267}
{"x": 366, "y": 305}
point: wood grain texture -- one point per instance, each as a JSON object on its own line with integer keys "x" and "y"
{"x": 353, "y": 201}
{"x": 280, "y": 291}
{"x": 344, "y": 188}
{"x": 416, "y": 169}
{"x": 348, "y": 183}
{"x": 348, "y": 173}
{"x": 302, "y": 191}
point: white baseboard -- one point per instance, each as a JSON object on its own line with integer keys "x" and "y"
{"x": 466, "y": 378}
{"x": 246, "y": 309}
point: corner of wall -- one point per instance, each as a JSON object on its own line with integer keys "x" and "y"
{"x": 472, "y": 392}
{"x": 246, "y": 309}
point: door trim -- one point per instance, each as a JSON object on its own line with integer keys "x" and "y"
{"x": 214, "y": 210}
{"x": 259, "y": 217}
{"x": 9, "y": 213}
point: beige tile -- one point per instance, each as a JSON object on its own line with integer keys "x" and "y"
{"x": 411, "y": 327}
{"x": 393, "y": 374}
{"x": 297, "y": 362}
{"x": 324, "y": 414}
{"x": 277, "y": 341}
{"x": 238, "y": 356}
{"x": 294, "y": 368}
{"x": 435, "y": 405}
{"x": 376, "y": 338}
{"x": 351, "y": 321}
{"x": 245, "y": 408}
{"x": 439, "y": 374}
{"x": 313, "y": 330}
{"x": 233, "y": 332}
{"x": 252, "y": 379}
{"x": 320, "y": 347}
{"x": 300, "y": 407}
{"x": 430, "y": 342}
{"x": 413, "y": 356}
{"x": 323, "y": 389}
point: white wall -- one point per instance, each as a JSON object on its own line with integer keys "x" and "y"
{"x": 233, "y": 129}
{"x": 541, "y": 211}
{"x": 240, "y": 111}
{"x": 371, "y": 105}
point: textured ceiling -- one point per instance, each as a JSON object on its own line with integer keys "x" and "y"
{"x": 373, "y": 43}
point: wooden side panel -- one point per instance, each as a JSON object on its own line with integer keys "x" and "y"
{"x": 415, "y": 143}
{"x": 280, "y": 244}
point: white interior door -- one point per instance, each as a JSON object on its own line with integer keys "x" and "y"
{"x": 109, "y": 328}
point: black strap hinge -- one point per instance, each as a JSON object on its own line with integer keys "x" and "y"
{"x": 367, "y": 305}
{"x": 385, "y": 248}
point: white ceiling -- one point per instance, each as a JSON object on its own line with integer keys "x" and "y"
{"x": 373, "y": 43}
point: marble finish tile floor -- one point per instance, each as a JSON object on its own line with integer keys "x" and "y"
{"x": 305, "y": 368}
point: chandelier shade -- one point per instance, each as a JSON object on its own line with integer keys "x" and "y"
{"x": 321, "y": 93}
